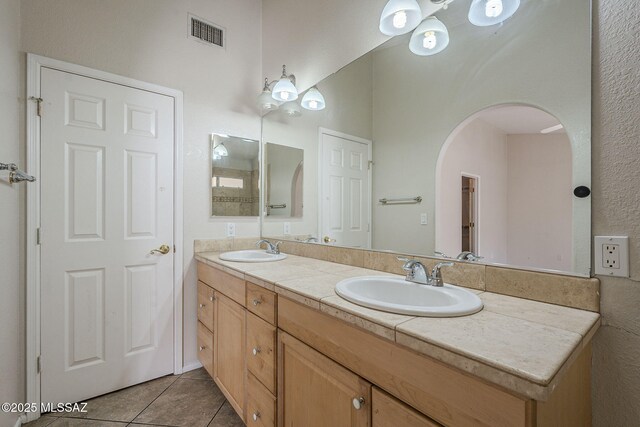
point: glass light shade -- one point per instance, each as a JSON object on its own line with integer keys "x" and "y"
{"x": 220, "y": 150}
{"x": 266, "y": 101}
{"x": 422, "y": 40}
{"x": 292, "y": 109}
{"x": 400, "y": 17}
{"x": 284, "y": 90}
{"x": 313, "y": 100}
{"x": 483, "y": 15}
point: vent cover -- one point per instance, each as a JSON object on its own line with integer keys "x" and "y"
{"x": 206, "y": 32}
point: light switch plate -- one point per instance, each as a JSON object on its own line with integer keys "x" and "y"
{"x": 611, "y": 255}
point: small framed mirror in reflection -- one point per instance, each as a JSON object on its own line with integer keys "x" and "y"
{"x": 235, "y": 176}
{"x": 284, "y": 178}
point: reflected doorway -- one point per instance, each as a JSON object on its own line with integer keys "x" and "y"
{"x": 469, "y": 203}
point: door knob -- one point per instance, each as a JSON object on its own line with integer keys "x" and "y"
{"x": 328, "y": 239}
{"x": 164, "y": 249}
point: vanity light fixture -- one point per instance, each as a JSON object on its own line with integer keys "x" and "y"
{"x": 429, "y": 38}
{"x": 265, "y": 100}
{"x": 292, "y": 109}
{"x": 313, "y": 100}
{"x": 399, "y": 17}
{"x": 285, "y": 89}
{"x": 220, "y": 150}
{"x": 484, "y": 13}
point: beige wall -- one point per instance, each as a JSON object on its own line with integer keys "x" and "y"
{"x": 616, "y": 207}
{"x": 147, "y": 40}
{"x": 12, "y": 212}
{"x": 479, "y": 149}
{"x": 539, "y": 200}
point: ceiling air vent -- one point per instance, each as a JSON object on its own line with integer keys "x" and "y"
{"x": 206, "y": 32}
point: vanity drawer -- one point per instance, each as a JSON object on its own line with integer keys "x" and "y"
{"x": 261, "y": 302}
{"x": 229, "y": 285}
{"x": 205, "y": 305}
{"x": 261, "y": 351}
{"x": 205, "y": 348}
{"x": 261, "y": 405}
{"x": 387, "y": 411}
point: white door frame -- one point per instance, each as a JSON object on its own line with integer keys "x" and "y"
{"x": 35, "y": 63}
{"x": 369, "y": 144}
{"x": 476, "y": 207}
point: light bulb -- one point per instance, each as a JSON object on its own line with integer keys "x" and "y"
{"x": 400, "y": 19}
{"x": 493, "y": 9}
{"x": 429, "y": 41}
{"x": 284, "y": 95}
{"x": 313, "y": 105}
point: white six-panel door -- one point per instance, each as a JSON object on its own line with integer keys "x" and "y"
{"x": 344, "y": 191}
{"x": 107, "y": 201}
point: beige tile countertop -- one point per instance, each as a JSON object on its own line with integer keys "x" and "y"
{"x": 522, "y": 345}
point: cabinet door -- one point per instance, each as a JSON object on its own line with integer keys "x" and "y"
{"x": 388, "y": 411}
{"x": 229, "y": 350}
{"x": 314, "y": 391}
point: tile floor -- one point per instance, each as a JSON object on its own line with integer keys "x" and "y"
{"x": 188, "y": 400}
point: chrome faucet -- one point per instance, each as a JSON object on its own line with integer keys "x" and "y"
{"x": 468, "y": 256}
{"x": 271, "y": 248}
{"x": 441, "y": 254}
{"x": 311, "y": 240}
{"x": 417, "y": 272}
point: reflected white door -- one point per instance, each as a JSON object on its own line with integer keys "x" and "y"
{"x": 107, "y": 201}
{"x": 345, "y": 194}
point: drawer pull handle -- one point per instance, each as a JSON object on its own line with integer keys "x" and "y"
{"x": 202, "y": 348}
{"x": 358, "y": 402}
{"x": 201, "y": 305}
{"x": 257, "y": 301}
{"x": 255, "y": 416}
{"x": 256, "y": 350}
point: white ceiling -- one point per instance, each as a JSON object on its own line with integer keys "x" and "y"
{"x": 519, "y": 119}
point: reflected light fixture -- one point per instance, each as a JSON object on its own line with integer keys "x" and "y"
{"x": 265, "y": 100}
{"x": 220, "y": 150}
{"x": 292, "y": 109}
{"x": 399, "y": 17}
{"x": 551, "y": 129}
{"x": 285, "y": 89}
{"x": 313, "y": 100}
{"x": 484, "y": 13}
{"x": 429, "y": 38}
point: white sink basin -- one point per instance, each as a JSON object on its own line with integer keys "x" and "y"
{"x": 396, "y": 295}
{"x": 255, "y": 255}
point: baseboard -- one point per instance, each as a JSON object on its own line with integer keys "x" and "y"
{"x": 22, "y": 419}
{"x": 191, "y": 366}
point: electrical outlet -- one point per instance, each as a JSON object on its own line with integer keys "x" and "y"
{"x": 612, "y": 255}
{"x": 423, "y": 219}
{"x": 286, "y": 228}
{"x": 231, "y": 229}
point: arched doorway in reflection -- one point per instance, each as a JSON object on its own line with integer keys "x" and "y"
{"x": 504, "y": 189}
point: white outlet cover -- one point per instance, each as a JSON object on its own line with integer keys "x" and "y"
{"x": 286, "y": 228}
{"x": 231, "y": 229}
{"x": 600, "y": 255}
{"x": 423, "y": 219}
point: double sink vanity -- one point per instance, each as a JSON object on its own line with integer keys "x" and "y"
{"x": 303, "y": 341}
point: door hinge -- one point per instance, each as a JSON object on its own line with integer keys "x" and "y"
{"x": 39, "y": 105}
{"x": 174, "y": 249}
{"x": 369, "y": 164}
{"x": 38, "y": 364}
{"x": 38, "y": 236}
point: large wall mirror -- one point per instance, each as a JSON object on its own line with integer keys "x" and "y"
{"x": 235, "y": 176}
{"x": 475, "y": 149}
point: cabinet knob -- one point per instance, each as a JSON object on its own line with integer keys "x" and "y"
{"x": 211, "y": 298}
{"x": 201, "y": 305}
{"x": 255, "y": 416}
{"x": 257, "y": 301}
{"x": 256, "y": 350}
{"x": 202, "y": 348}
{"x": 358, "y": 402}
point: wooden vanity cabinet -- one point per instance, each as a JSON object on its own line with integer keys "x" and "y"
{"x": 315, "y": 391}
{"x": 387, "y": 411}
{"x": 229, "y": 349}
